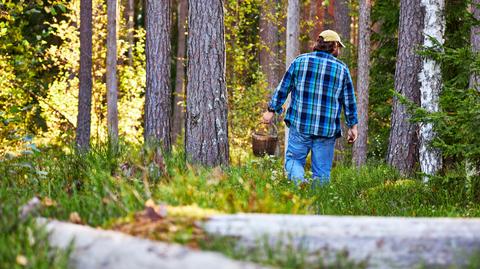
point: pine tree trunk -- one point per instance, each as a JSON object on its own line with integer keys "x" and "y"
{"x": 328, "y": 15}
{"x": 343, "y": 19}
{"x": 85, "y": 77}
{"x": 293, "y": 43}
{"x": 129, "y": 15}
{"x": 178, "y": 119}
{"x": 158, "y": 93}
{"x": 268, "y": 55}
{"x": 112, "y": 88}
{"x": 360, "y": 146}
{"x": 473, "y": 166}
{"x": 403, "y": 141}
{"x": 206, "y": 131}
{"x": 431, "y": 85}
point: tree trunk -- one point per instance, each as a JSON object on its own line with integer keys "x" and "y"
{"x": 85, "y": 77}
{"x": 342, "y": 19}
{"x": 431, "y": 85}
{"x": 178, "y": 119}
{"x": 342, "y": 26}
{"x": 473, "y": 166}
{"x": 130, "y": 16}
{"x": 206, "y": 131}
{"x": 360, "y": 146}
{"x": 158, "y": 93}
{"x": 269, "y": 36}
{"x": 403, "y": 142}
{"x": 293, "y": 43}
{"x": 112, "y": 86}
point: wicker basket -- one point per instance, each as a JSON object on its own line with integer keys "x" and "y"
{"x": 264, "y": 142}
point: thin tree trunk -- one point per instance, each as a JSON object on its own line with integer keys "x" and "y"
{"x": 473, "y": 166}
{"x": 206, "y": 131}
{"x": 270, "y": 50}
{"x": 129, "y": 14}
{"x": 343, "y": 19}
{"x": 403, "y": 141}
{"x": 178, "y": 119}
{"x": 360, "y": 146}
{"x": 85, "y": 77}
{"x": 342, "y": 26}
{"x": 112, "y": 86}
{"x": 268, "y": 55}
{"x": 293, "y": 43}
{"x": 158, "y": 93}
{"x": 431, "y": 85}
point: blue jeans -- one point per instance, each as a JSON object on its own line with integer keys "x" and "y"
{"x": 299, "y": 145}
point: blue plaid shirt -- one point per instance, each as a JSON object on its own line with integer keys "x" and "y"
{"x": 320, "y": 85}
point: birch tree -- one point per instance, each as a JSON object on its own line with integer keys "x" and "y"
{"x": 403, "y": 141}
{"x": 112, "y": 86}
{"x": 85, "y": 77}
{"x": 293, "y": 43}
{"x": 206, "y": 130}
{"x": 158, "y": 90}
{"x": 431, "y": 84}
{"x": 360, "y": 146}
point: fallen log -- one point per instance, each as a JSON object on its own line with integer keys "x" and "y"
{"x": 384, "y": 242}
{"x": 95, "y": 248}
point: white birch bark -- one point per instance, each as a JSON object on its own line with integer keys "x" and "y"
{"x": 431, "y": 84}
{"x": 293, "y": 43}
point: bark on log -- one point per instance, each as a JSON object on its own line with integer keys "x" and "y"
{"x": 388, "y": 242}
{"x": 94, "y": 248}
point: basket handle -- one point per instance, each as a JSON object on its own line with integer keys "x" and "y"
{"x": 270, "y": 124}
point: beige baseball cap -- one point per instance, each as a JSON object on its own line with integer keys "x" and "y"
{"x": 329, "y": 35}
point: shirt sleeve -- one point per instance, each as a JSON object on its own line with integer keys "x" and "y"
{"x": 283, "y": 89}
{"x": 349, "y": 101}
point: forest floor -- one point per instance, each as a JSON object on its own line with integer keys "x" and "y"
{"x": 112, "y": 188}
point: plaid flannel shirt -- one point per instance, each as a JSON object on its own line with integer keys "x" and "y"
{"x": 320, "y": 86}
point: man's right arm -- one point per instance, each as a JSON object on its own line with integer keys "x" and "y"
{"x": 280, "y": 95}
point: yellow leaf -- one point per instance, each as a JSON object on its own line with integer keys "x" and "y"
{"x": 22, "y": 260}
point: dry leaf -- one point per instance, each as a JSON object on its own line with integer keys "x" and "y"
{"x": 153, "y": 211}
{"x": 22, "y": 260}
{"x": 48, "y": 202}
{"x": 75, "y": 218}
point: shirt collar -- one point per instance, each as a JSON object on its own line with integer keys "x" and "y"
{"x": 324, "y": 54}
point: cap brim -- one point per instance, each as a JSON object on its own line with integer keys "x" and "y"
{"x": 341, "y": 44}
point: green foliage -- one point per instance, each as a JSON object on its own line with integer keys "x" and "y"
{"x": 23, "y": 244}
{"x": 385, "y": 14}
{"x": 62, "y": 92}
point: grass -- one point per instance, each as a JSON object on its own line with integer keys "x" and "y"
{"x": 110, "y": 183}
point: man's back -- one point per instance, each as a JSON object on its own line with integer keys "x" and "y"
{"x": 320, "y": 85}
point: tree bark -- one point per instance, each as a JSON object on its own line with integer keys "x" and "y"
{"x": 403, "y": 141}
{"x": 178, "y": 119}
{"x": 431, "y": 85}
{"x": 206, "y": 131}
{"x": 130, "y": 16}
{"x": 293, "y": 43}
{"x": 269, "y": 36}
{"x": 360, "y": 146}
{"x": 158, "y": 91}
{"x": 343, "y": 19}
{"x": 112, "y": 86}
{"x": 473, "y": 166}
{"x": 85, "y": 77}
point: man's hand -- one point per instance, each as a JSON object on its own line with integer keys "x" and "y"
{"x": 352, "y": 134}
{"x": 268, "y": 117}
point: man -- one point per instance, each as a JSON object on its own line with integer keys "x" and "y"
{"x": 320, "y": 86}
